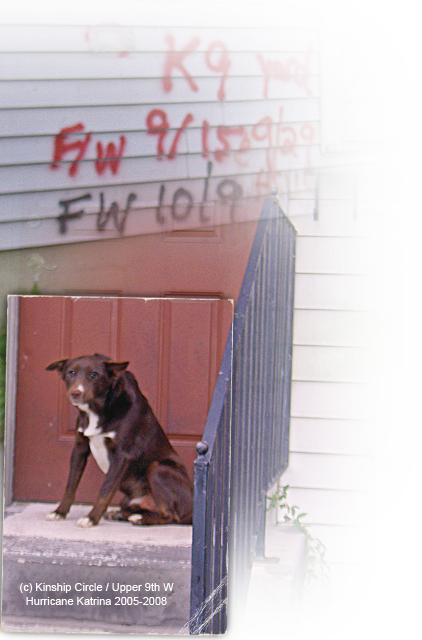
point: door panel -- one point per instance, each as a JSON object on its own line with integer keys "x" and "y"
{"x": 174, "y": 347}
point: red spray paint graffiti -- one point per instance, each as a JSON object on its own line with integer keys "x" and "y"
{"x": 290, "y": 71}
{"x": 220, "y": 141}
{"x": 217, "y": 142}
{"x": 110, "y": 157}
{"x": 216, "y": 59}
{"x": 65, "y": 142}
{"x": 62, "y": 147}
{"x": 158, "y": 124}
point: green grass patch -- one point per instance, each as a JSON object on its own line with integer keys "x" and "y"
{"x": 396, "y": 343}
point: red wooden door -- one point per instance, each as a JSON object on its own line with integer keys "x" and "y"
{"x": 174, "y": 346}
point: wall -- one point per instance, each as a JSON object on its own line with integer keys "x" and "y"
{"x": 331, "y": 469}
{"x": 115, "y": 130}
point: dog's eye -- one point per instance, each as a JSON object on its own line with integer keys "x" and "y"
{"x": 94, "y": 374}
{"x": 71, "y": 374}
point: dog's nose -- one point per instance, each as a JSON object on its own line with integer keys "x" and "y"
{"x": 76, "y": 395}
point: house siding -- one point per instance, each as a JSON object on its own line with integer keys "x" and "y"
{"x": 175, "y": 90}
{"x": 331, "y": 468}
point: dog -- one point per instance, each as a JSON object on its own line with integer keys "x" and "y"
{"x": 117, "y": 425}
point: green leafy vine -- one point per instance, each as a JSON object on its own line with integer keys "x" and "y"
{"x": 316, "y": 567}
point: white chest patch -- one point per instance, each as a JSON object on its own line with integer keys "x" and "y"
{"x": 100, "y": 452}
{"x": 92, "y": 428}
{"x": 96, "y": 439}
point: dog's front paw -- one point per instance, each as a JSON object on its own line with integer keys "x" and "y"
{"x": 85, "y": 522}
{"x": 54, "y": 516}
{"x": 135, "y": 518}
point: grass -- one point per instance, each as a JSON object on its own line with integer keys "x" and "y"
{"x": 395, "y": 343}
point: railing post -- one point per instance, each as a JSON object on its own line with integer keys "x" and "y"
{"x": 198, "y": 577}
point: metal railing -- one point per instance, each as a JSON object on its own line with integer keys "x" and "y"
{"x": 245, "y": 444}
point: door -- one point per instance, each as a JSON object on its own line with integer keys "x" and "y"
{"x": 174, "y": 346}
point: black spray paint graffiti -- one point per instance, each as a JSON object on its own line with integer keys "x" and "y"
{"x": 229, "y": 192}
{"x": 119, "y": 217}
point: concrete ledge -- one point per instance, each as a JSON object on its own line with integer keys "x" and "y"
{"x": 112, "y": 574}
{"x": 28, "y": 520}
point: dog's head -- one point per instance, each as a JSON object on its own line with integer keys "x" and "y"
{"x": 87, "y": 378}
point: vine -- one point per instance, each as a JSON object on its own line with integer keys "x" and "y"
{"x": 316, "y": 567}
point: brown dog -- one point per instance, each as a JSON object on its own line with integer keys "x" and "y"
{"x": 117, "y": 425}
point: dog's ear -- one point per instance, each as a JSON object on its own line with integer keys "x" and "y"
{"x": 114, "y": 368}
{"x": 58, "y": 366}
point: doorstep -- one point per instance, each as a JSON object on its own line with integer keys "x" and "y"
{"x": 114, "y": 574}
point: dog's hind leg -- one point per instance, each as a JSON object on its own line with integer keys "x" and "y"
{"x": 145, "y": 512}
{"x": 171, "y": 491}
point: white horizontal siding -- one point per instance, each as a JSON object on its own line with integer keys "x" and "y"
{"x": 336, "y": 222}
{"x": 118, "y": 82}
{"x": 333, "y": 364}
{"x": 333, "y": 436}
{"x": 21, "y": 38}
{"x": 324, "y": 471}
{"x": 14, "y": 150}
{"x": 134, "y": 170}
{"x": 351, "y": 214}
{"x": 332, "y": 507}
{"x": 333, "y": 440}
{"x": 334, "y": 292}
{"x": 143, "y": 64}
{"x": 176, "y": 14}
{"x": 131, "y": 117}
{"x": 335, "y": 400}
{"x": 90, "y": 92}
{"x": 334, "y": 328}
{"x": 334, "y": 255}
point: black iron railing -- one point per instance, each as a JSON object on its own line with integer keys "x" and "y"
{"x": 246, "y": 439}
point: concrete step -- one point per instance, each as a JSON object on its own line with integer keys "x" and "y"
{"x": 112, "y": 575}
{"x": 120, "y": 579}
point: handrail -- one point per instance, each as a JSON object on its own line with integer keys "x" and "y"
{"x": 245, "y": 443}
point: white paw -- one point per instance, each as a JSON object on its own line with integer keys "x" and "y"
{"x": 54, "y": 516}
{"x": 135, "y": 518}
{"x": 85, "y": 522}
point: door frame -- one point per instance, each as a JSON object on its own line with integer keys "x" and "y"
{"x": 12, "y": 371}
{"x": 11, "y": 395}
